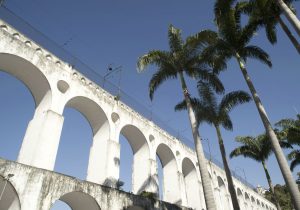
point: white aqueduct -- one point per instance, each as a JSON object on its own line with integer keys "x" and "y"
{"x": 55, "y": 85}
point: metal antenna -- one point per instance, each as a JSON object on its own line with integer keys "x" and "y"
{"x": 110, "y": 72}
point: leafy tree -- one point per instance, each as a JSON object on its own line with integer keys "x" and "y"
{"x": 232, "y": 41}
{"x": 208, "y": 110}
{"x": 259, "y": 149}
{"x": 184, "y": 58}
{"x": 283, "y": 196}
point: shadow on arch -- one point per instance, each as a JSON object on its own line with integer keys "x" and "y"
{"x": 141, "y": 155}
{"x": 192, "y": 187}
{"x": 29, "y": 74}
{"x": 90, "y": 142}
{"x": 80, "y": 201}
{"x": 9, "y": 199}
{"x": 171, "y": 187}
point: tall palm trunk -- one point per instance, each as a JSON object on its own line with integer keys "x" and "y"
{"x": 292, "y": 18}
{"x": 271, "y": 185}
{"x": 283, "y": 164}
{"x": 289, "y": 34}
{"x": 234, "y": 199}
{"x": 206, "y": 181}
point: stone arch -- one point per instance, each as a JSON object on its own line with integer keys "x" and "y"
{"x": 10, "y": 199}
{"x": 92, "y": 112}
{"x": 258, "y": 203}
{"x": 171, "y": 190}
{"x": 253, "y": 203}
{"x": 240, "y": 198}
{"x": 38, "y": 85}
{"x": 247, "y": 201}
{"x": 141, "y": 179}
{"x": 100, "y": 127}
{"x": 191, "y": 183}
{"x": 80, "y": 201}
{"x": 221, "y": 194}
{"x": 30, "y": 75}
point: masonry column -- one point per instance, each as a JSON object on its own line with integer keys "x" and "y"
{"x": 40, "y": 144}
{"x": 182, "y": 189}
{"x": 104, "y": 161}
{"x": 153, "y": 184}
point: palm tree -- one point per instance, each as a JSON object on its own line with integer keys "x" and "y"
{"x": 266, "y": 13}
{"x": 232, "y": 41}
{"x": 290, "y": 129}
{"x": 208, "y": 110}
{"x": 294, "y": 156}
{"x": 292, "y": 18}
{"x": 259, "y": 149}
{"x": 183, "y": 58}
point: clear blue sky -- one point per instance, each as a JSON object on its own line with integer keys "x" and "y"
{"x": 102, "y": 32}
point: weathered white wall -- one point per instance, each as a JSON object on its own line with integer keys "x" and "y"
{"x": 55, "y": 85}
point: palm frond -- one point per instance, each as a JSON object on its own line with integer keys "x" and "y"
{"x": 159, "y": 77}
{"x": 244, "y": 151}
{"x": 154, "y": 57}
{"x": 232, "y": 99}
{"x": 175, "y": 39}
{"x": 256, "y": 52}
{"x": 226, "y": 122}
{"x": 270, "y": 28}
{"x": 181, "y": 106}
{"x": 200, "y": 39}
{"x": 247, "y": 33}
{"x": 295, "y": 157}
{"x": 285, "y": 123}
{"x": 212, "y": 79}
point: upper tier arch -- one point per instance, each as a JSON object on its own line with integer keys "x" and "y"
{"x": 29, "y": 74}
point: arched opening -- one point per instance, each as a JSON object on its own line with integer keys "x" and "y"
{"x": 240, "y": 198}
{"x": 160, "y": 176}
{"x": 60, "y": 205}
{"x": 25, "y": 92}
{"x": 247, "y": 201}
{"x": 9, "y": 197}
{"x": 171, "y": 190}
{"x": 258, "y": 204}
{"x": 126, "y": 162}
{"x": 77, "y": 201}
{"x": 140, "y": 167}
{"x": 28, "y": 73}
{"x": 222, "y": 194}
{"x": 252, "y": 203}
{"x": 80, "y": 152}
{"x": 191, "y": 184}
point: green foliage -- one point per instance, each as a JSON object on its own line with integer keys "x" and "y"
{"x": 120, "y": 184}
{"x": 150, "y": 195}
{"x": 257, "y": 148}
{"x": 208, "y": 109}
{"x": 264, "y": 14}
{"x": 283, "y": 197}
{"x": 183, "y": 56}
{"x": 290, "y": 130}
